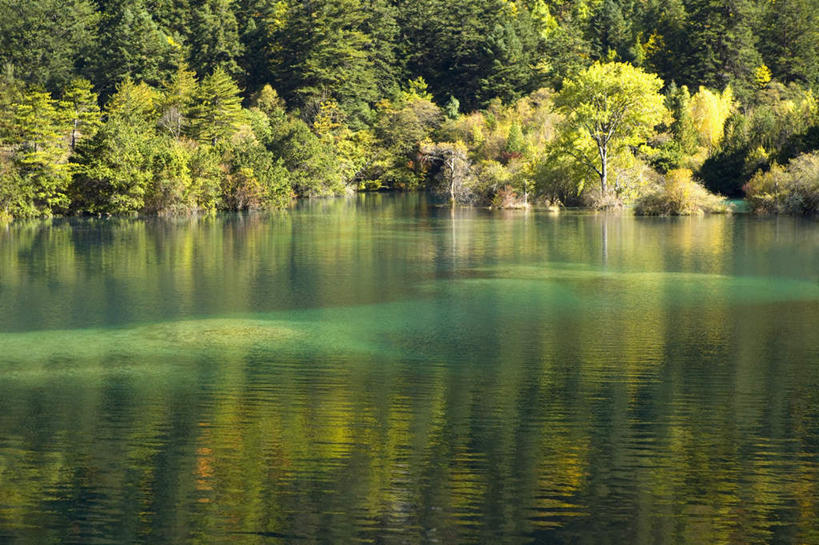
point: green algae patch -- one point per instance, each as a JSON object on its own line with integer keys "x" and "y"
{"x": 169, "y": 340}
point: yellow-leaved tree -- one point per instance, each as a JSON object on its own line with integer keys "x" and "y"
{"x": 608, "y": 106}
{"x": 710, "y": 110}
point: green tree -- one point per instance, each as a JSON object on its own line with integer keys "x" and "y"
{"x": 178, "y": 95}
{"x": 683, "y": 128}
{"x": 45, "y": 40}
{"x": 474, "y": 50}
{"x": 606, "y": 107}
{"x": 135, "y": 104}
{"x": 217, "y": 109}
{"x": 38, "y": 134}
{"x": 790, "y": 40}
{"x": 333, "y": 49}
{"x": 721, "y": 45}
{"x": 170, "y": 189}
{"x": 80, "y": 104}
{"x": 214, "y": 37}
{"x": 113, "y": 169}
{"x": 132, "y": 45}
{"x": 255, "y": 178}
{"x": 610, "y": 32}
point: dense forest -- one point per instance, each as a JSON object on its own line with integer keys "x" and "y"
{"x": 166, "y": 106}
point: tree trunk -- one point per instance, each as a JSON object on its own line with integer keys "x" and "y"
{"x": 74, "y": 134}
{"x": 604, "y": 171}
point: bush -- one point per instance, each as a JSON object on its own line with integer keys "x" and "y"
{"x": 787, "y": 190}
{"x": 256, "y": 178}
{"x": 679, "y": 195}
{"x": 556, "y": 178}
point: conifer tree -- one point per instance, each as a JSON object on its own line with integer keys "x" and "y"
{"x": 610, "y": 33}
{"x": 38, "y": 132}
{"x": 327, "y": 53}
{"x": 134, "y": 103}
{"x": 80, "y": 103}
{"x": 217, "y": 109}
{"x": 132, "y": 45}
{"x": 178, "y": 95}
{"x": 722, "y": 45}
{"x": 790, "y": 40}
{"x": 45, "y": 40}
{"x": 214, "y": 38}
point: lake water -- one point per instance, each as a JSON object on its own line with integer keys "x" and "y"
{"x": 379, "y": 370}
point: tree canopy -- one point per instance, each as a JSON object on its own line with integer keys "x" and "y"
{"x": 608, "y": 106}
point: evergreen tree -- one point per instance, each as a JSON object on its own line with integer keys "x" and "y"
{"x": 790, "y": 40}
{"x": 38, "y": 134}
{"x": 510, "y": 49}
{"x": 135, "y": 104}
{"x": 80, "y": 103}
{"x": 217, "y": 109}
{"x": 610, "y": 33}
{"x": 132, "y": 45}
{"x": 178, "y": 96}
{"x": 326, "y": 52}
{"x": 113, "y": 169}
{"x": 474, "y": 50}
{"x": 45, "y": 40}
{"x": 722, "y": 45}
{"x": 214, "y": 38}
{"x": 678, "y": 102}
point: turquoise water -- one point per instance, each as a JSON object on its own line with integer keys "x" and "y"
{"x": 380, "y": 370}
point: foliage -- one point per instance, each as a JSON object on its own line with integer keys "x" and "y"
{"x": 608, "y": 107}
{"x": 778, "y": 125}
{"x": 452, "y": 176}
{"x": 80, "y": 103}
{"x": 256, "y": 179}
{"x": 793, "y": 189}
{"x": 45, "y": 40}
{"x": 131, "y": 45}
{"x": 113, "y": 169}
{"x": 40, "y": 153}
{"x": 217, "y": 108}
{"x": 709, "y": 111}
{"x": 242, "y": 103}
{"x": 679, "y": 195}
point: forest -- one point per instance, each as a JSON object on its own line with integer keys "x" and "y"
{"x": 663, "y": 107}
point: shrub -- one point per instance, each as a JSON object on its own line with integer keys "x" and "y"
{"x": 507, "y": 197}
{"x": 629, "y": 179}
{"x": 787, "y": 190}
{"x": 556, "y": 178}
{"x": 679, "y": 195}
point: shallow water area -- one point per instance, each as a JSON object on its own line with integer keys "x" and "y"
{"x": 382, "y": 370}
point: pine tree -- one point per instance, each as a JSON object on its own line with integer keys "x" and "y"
{"x": 474, "y": 50}
{"x": 722, "y": 47}
{"x": 214, "y": 38}
{"x": 610, "y": 32}
{"x": 678, "y": 102}
{"x": 790, "y": 40}
{"x": 134, "y": 104}
{"x": 178, "y": 95}
{"x": 45, "y": 39}
{"x": 217, "y": 108}
{"x": 132, "y": 45}
{"x": 326, "y": 52}
{"x": 80, "y": 103}
{"x": 38, "y": 133}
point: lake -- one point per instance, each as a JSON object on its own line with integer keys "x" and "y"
{"x": 381, "y": 370}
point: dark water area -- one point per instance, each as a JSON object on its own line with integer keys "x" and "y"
{"x": 380, "y": 370}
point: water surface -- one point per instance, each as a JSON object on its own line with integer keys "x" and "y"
{"x": 379, "y": 370}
